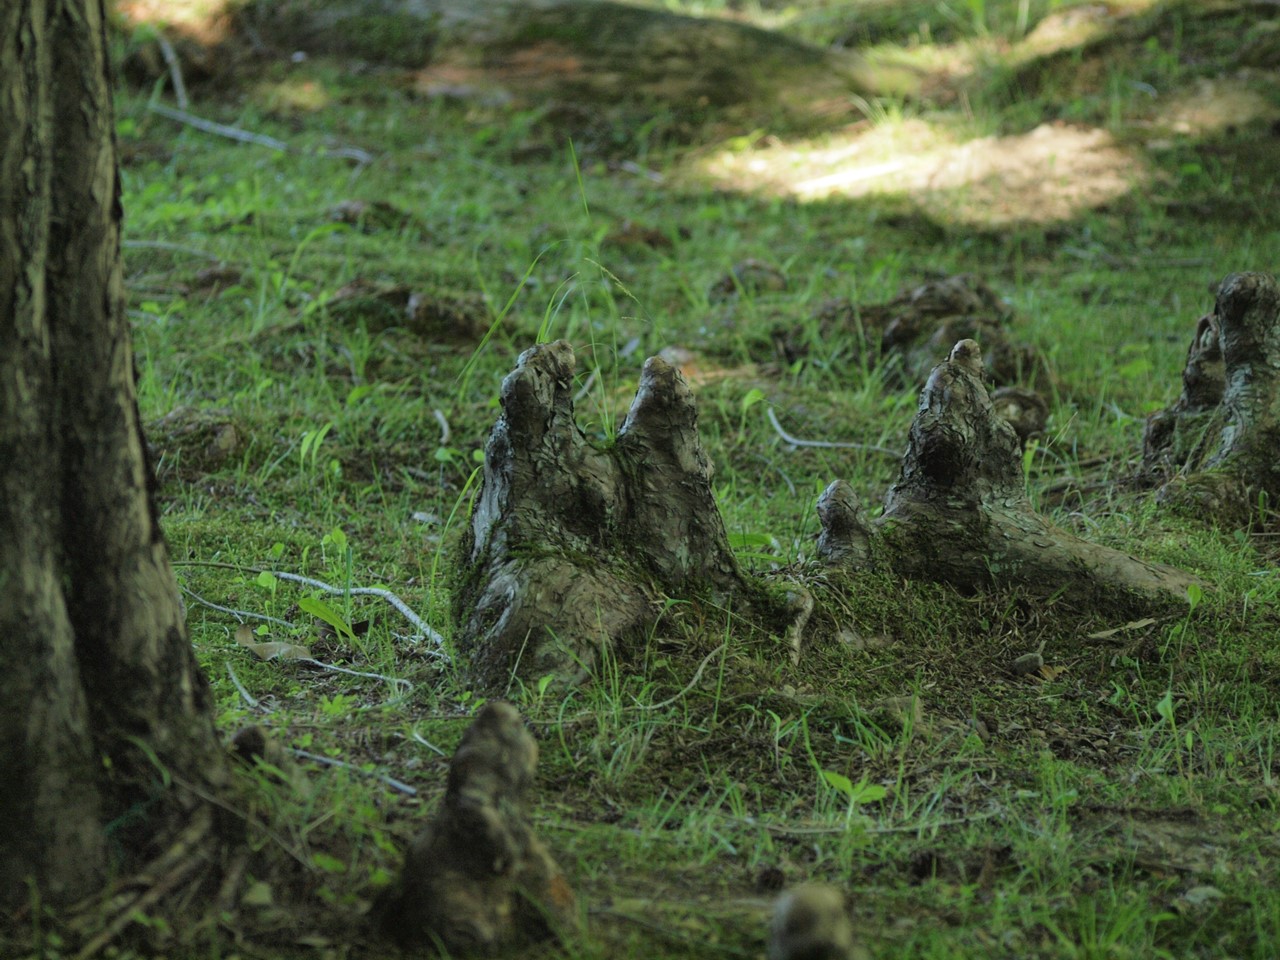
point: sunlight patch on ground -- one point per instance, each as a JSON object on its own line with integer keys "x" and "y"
{"x": 1211, "y": 107}
{"x": 1070, "y": 28}
{"x": 1052, "y": 173}
{"x": 202, "y": 20}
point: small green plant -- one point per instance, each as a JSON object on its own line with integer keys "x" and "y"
{"x": 338, "y": 705}
{"x": 309, "y": 446}
{"x": 854, "y": 794}
{"x": 1166, "y": 709}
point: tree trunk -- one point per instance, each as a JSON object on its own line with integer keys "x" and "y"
{"x": 106, "y": 739}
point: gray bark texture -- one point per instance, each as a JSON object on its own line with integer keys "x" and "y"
{"x": 1214, "y": 449}
{"x": 105, "y": 719}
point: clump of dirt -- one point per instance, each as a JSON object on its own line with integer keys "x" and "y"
{"x": 437, "y": 318}
{"x": 188, "y": 443}
{"x": 918, "y": 327}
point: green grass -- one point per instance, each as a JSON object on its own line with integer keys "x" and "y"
{"x": 1127, "y": 807}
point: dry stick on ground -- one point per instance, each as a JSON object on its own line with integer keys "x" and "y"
{"x": 164, "y": 875}
{"x": 175, "y": 71}
{"x": 174, "y": 247}
{"x": 423, "y": 628}
{"x": 444, "y": 425}
{"x": 361, "y": 157}
{"x": 392, "y": 782}
{"x": 384, "y": 594}
{"x": 825, "y": 444}
{"x": 218, "y": 129}
{"x": 253, "y": 702}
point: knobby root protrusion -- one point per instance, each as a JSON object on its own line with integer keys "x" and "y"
{"x": 959, "y": 514}
{"x": 912, "y": 330}
{"x": 812, "y": 922}
{"x": 477, "y": 880}
{"x": 1214, "y": 449}
{"x": 572, "y": 543}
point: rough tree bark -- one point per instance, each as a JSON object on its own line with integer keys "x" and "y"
{"x": 1214, "y": 449}
{"x": 106, "y": 737}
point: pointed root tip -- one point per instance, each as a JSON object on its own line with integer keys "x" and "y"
{"x": 967, "y": 355}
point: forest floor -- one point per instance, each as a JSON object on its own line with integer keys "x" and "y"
{"x": 321, "y": 333}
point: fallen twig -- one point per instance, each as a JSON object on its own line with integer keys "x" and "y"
{"x": 356, "y": 673}
{"x": 386, "y": 595}
{"x": 415, "y": 735}
{"x": 424, "y": 629}
{"x": 697, "y": 675}
{"x": 826, "y": 444}
{"x": 361, "y": 157}
{"x": 165, "y": 245}
{"x": 175, "y": 71}
{"x": 218, "y": 129}
{"x": 238, "y": 614}
{"x": 253, "y": 702}
{"x": 444, "y": 426}
{"x": 331, "y": 762}
{"x": 170, "y": 869}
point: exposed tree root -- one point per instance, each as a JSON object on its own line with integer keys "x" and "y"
{"x": 477, "y": 879}
{"x": 1214, "y": 449}
{"x": 572, "y": 545}
{"x": 959, "y": 513}
{"x": 183, "y": 864}
{"x": 919, "y": 325}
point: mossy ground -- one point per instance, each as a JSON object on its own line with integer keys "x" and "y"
{"x": 1120, "y": 802}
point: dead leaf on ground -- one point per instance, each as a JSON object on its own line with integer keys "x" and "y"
{"x": 1124, "y": 628}
{"x": 270, "y": 649}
